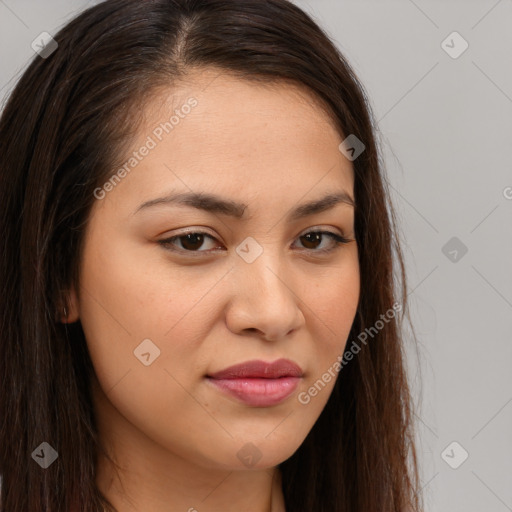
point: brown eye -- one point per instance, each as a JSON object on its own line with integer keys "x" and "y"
{"x": 312, "y": 239}
{"x": 190, "y": 242}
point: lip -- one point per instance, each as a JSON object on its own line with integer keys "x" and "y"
{"x": 258, "y": 383}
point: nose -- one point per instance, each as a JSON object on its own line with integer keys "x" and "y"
{"x": 264, "y": 299}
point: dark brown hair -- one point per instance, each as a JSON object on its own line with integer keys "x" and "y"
{"x": 62, "y": 133}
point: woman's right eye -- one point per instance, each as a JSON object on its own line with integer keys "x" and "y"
{"x": 190, "y": 242}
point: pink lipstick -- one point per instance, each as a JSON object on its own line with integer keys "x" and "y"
{"x": 258, "y": 383}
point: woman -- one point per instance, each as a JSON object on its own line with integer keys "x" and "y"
{"x": 199, "y": 310}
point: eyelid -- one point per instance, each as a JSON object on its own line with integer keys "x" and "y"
{"x": 205, "y": 230}
{"x": 320, "y": 227}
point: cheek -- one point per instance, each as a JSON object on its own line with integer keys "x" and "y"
{"x": 128, "y": 295}
{"x": 333, "y": 303}
{"x": 132, "y": 315}
{"x": 333, "y": 306}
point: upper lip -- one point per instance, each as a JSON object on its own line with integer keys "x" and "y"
{"x": 260, "y": 369}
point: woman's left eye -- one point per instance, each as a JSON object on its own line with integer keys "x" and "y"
{"x": 193, "y": 240}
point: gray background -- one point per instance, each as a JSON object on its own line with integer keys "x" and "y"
{"x": 446, "y": 126}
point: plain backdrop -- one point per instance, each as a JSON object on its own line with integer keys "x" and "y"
{"x": 439, "y": 77}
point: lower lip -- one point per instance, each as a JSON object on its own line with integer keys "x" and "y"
{"x": 258, "y": 392}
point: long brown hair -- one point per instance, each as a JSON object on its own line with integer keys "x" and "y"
{"x": 61, "y": 133}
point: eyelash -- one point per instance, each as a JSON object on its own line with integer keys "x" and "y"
{"x": 337, "y": 240}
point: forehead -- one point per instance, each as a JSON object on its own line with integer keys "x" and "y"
{"x": 229, "y": 134}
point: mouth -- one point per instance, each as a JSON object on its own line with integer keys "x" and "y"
{"x": 257, "y": 383}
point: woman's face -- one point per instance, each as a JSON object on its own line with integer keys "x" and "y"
{"x": 252, "y": 285}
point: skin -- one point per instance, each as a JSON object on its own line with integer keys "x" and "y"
{"x": 174, "y": 437}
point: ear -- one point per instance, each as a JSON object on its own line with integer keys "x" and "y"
{"x": 69, "y": 310}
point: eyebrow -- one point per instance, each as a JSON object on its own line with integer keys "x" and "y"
{"x": 216, "y": 204}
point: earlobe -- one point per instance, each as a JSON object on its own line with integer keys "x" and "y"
{"x": 68, "y": 312}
